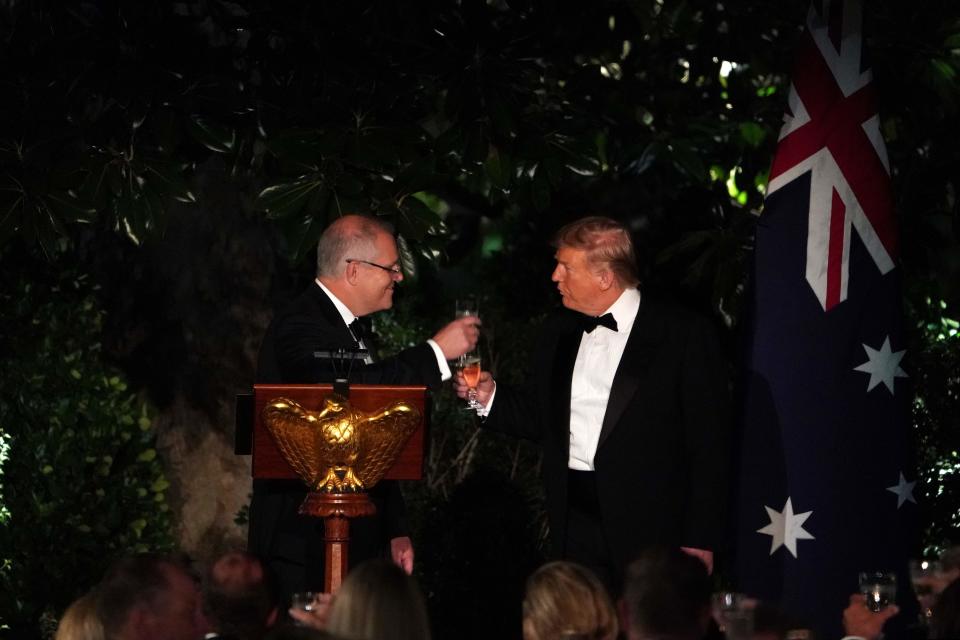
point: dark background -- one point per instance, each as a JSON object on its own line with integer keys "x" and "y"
{"x": 166, "y": 168}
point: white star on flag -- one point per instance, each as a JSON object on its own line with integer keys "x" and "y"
{"x": 786, "y": 528}
{"x": 904, "y": 491}
{"x": 883, "y": 365}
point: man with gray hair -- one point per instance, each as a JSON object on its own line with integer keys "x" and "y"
{"x": 358, "y": 266}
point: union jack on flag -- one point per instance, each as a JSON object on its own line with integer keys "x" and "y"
{"x": 826, "y": 478}
{"x": 833, "y": 132}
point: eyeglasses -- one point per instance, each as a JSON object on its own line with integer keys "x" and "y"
{"x": 393, "y": 271}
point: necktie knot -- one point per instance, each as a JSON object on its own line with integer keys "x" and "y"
{"x": 589, "y": 323}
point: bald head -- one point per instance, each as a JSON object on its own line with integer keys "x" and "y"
{"x": 358, "y": 260}
{"x": 349, "y": 237}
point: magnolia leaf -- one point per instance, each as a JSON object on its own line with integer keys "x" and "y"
{"x": 415, "y": 219}
{"x": 214, "y": 136}
{"x": 68, "y": 207}
{"x": 498, "y": 167}
{"x": 688, "y": 160}
{"x": 288, "y": 198}
{"x": 540, "y": 189}
{"x": 752, "y": 133}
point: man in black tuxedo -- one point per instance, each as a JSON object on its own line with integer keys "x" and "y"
{"x": 628, "y": 398}
{"x": 358, "y": 266}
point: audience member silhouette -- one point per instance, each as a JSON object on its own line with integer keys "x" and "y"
{"x": 150, "y": 597}
{"x": 378, "y": 601}
{"x": 239, "y": 598}
{"x": 666, "y": 596}
{"x": 567, "y": 600}
{"x": 288, "y": 632}
{"x": 945, "y": 621}
{"x": 80, "y": 621}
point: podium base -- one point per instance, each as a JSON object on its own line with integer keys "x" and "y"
{"x": 336, "y": 509}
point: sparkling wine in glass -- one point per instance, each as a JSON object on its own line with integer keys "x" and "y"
{"x": 469, "y": 363}
{"x": 470, "y": 368}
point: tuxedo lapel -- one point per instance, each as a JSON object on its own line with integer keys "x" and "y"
{"x": 329, "y": 312}
{"x": 637, "y": 357}
{"x": 568, "y": 344}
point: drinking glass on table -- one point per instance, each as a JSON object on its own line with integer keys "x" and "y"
{"x": 880, "y": 588}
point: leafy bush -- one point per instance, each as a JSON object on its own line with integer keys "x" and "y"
{"x": 936, "y": 381}
{"x": 80, "y": 481}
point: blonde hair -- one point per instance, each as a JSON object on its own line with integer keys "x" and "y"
{"x": 378, "y": 601}
{"x": 606, "y": 241}
{"x": 80, "y": 621}
{"x": 566, "y": 600}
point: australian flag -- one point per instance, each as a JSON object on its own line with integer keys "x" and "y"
{"x": 826, "y": 475}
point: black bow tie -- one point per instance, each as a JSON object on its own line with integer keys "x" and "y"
{"x": 589, "y": 323}
{"x": 358, "y": 330}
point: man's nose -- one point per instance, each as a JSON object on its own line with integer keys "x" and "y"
{"x": 555, "y": 276}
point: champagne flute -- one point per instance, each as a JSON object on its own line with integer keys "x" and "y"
{"x": 470, "y": 368}
{"x": 469, "y": 363}
{"x": 467, "y": 306}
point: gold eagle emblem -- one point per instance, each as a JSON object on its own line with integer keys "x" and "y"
{"x": 339, "y": 449}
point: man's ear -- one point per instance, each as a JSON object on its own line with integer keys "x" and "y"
{"x": 606, "y": 278}
{"x": 352, "y": 273}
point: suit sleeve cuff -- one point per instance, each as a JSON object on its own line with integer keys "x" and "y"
{"x": 445, "y": 373}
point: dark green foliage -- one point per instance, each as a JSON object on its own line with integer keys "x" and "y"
{"x": 936, "y": 381}
{"x": 478, "y": 128}
{"x": 81, "y": 482}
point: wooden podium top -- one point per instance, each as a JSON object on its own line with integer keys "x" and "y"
{"x": 268, "y": 462}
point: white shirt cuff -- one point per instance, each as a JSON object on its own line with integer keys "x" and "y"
{"x": 441, "y": 361}
{"x": 483, "y": 412}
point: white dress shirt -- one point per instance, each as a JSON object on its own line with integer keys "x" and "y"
{"x": 596, "y": 364}
{"x": 348, "y": 318}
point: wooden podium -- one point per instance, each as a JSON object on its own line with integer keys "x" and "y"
{"x": 336, "y": 509}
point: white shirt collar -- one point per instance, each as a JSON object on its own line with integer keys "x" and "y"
{"x": 625, "y": 309}
{"x": 342, "y": 309}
